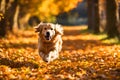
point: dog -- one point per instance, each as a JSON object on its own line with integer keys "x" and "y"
{"x": 49, "y": 41}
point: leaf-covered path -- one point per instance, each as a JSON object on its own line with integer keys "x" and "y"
{"x": 83, "y": 57}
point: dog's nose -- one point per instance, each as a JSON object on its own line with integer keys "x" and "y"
{"x": 48, "y": 33}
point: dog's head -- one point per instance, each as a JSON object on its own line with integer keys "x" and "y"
{"x": 49, "y": 30}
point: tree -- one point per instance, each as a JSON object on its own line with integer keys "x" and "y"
{"x": 46, "y": 12}
{"x": 96, "y": 16}
{"x": 93, "y": 15}
{"x": 10, "y": 14}
{"x": 102, "y": 12}
{"x": 42, "y": 8}
{"x": 8, "y": 9}
{"x": 112, "y": 18}
{"x": 90, "y": 14}
{"x": 2, "y": 19}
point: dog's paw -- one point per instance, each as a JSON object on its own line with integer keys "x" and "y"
{"x": 53, "y": 55}
{"x": 49, "y": 57}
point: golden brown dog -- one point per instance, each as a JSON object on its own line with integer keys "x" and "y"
{"x": 49, "y": 41}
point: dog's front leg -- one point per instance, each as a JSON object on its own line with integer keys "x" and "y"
{"x": 41, "y": 54}
{"x": 52, "y": 55}
{"x": 45, "y": 57}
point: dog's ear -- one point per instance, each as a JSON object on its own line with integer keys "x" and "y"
{"x": 38, "y": 28}
{"x": 59, "y": 29}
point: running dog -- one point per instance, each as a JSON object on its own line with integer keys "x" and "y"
{"x": 49, "y": 41}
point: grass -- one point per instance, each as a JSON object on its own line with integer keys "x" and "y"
{"x": 102, "y": 36}
{"x": 104, "y": 39}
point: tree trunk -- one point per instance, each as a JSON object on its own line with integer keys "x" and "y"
{"x": 102, "y": 13}
{"x": 93, "y": 15}
{"x": 8, "y": 9}
{"x": 112, "y": 23}
{"x": 90, "y": 14}
{"x": 2, "y": 28}
{"x": 10, "y": 13}
{"x": 16, "y": 19}
{"x": 96, "y": 17}
{"x": 2, "y": 19}
{"x": 118, "y": 16}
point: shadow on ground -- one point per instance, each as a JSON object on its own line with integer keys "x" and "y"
{"x": 19, "y": 45}
{"x": 13, "y": 64}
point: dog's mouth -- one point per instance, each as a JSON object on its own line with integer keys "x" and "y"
{"x": 48, "y": 37}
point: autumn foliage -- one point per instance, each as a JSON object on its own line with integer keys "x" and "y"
{"x": 83, "y": 57}
{"x": 16, "y": 14}
{"x": 47, "y": 9}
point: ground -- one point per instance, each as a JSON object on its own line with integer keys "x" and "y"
{"x": 83, "y": 57}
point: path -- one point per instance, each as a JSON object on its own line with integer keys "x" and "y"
{"x": 83, "y": 57}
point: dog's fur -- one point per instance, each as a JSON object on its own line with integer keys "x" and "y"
{"x": 49, "y": 41}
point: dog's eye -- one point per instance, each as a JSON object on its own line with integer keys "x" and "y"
{"x": 45, "y": 28}
{"x": 51, "y": 28}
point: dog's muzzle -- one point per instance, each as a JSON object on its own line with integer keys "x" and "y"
{"x": 47, "y": 37}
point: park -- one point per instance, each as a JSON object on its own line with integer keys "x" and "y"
{"x": 90, "y": 49}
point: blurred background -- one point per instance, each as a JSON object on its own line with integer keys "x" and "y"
{"x": 98, "y": 15}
